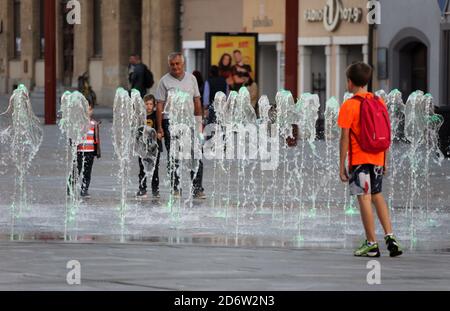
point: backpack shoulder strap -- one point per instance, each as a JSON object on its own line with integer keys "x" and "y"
{"x": 361, "y": 99}
{"x": 350, "y": 167}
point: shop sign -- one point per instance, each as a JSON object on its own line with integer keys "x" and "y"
{"x": 262, "y": 22}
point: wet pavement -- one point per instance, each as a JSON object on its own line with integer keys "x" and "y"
{"x": 249, "y": 234}
{"x": 162, "y": 266}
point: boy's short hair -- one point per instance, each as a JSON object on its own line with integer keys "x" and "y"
{"x": 359, "y": 73}
{"x": 149, "y": 97}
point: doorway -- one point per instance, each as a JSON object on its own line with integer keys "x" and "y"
{"x": 413, "y": 71}
{"x": 268, "y": 71}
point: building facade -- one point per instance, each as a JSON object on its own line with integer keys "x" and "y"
{"x": 324, "y": 51}
{"x": 265, "y": 17}
{"x": 332, "y": 35}
{"x": 414, "y": 48}
{"x": 110, "y": 30}
{"x": 409, "y": 50}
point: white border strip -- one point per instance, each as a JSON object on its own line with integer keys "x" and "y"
{"x": 305, "y": 41}
{"x": 194, "y": 44}
{"x": 350, "y": 40}
{"x": 333, "y": 40}
{"x": 263, "y": 37}
{"x": 270, "y": 37}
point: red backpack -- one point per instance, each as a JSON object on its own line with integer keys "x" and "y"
{"x": 375, "y": 125}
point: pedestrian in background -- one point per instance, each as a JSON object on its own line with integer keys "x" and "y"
{"x": 139, "y": 76}
{"x": 214, "y": 84}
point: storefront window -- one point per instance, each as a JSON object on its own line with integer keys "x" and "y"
{"x": 17, "y": 36}
{"x": 200, "y": 62}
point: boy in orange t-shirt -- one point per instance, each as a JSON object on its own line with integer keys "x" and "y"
{"x": 366, "y": 170}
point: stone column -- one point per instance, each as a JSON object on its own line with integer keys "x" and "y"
{"x": 60, "y": 19}
{"x": 305, "y": 69}
{"x": 114, "y": 61}
{"x": 163, "y": 30}
{"x": 280, "y": 72}
{"x": 159, "y": 20}
{"x": 328, "y": 54}
{"x": 365, "y": 52}
{"x": 341, "y": 62}
{"x": 159, "y": 34}
{"x": 30, "y": 40}
{"x": 83, "y": 40}
{"x": 6, "y": 43}
{"x": 146, "y": 32}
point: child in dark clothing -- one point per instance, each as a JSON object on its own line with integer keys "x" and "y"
{"x": 150, "y": 104}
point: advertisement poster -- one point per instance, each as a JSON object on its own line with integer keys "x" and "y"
{"x": 219, "y": 45}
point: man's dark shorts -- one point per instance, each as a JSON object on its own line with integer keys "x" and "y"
{"x": 366, "y": 179}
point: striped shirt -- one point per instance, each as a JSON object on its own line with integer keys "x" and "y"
{"x": 88, "y": 144}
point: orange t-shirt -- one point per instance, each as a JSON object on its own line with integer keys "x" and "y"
{"x": 349, "y": 118}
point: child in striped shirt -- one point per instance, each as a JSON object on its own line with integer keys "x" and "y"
{"x": 87, "y": 151}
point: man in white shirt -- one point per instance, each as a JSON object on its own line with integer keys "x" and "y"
{"x": 178, "y": 79}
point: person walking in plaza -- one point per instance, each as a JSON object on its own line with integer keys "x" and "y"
{"x": 179, "y": 79}
{"x": 87, "y": 151}
{"x": 150, "y": 105}
{"x": 365, "y": 139}
{"x": 139, "y": 76}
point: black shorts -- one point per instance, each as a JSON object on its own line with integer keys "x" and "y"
{"x": 366, "y": 179}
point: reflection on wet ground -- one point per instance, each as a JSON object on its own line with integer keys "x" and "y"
{"x": 266, "y": 216}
